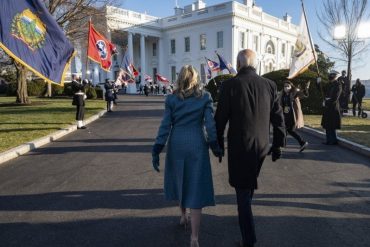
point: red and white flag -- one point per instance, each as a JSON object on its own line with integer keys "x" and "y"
{"x": 100, "y": 49}
{"x": 162, "y": 78}
{"x": 148, "y": 78}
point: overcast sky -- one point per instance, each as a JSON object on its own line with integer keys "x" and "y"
{"x": 278, "y": 8}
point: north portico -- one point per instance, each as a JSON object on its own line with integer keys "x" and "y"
{"x": 196, "y": 31}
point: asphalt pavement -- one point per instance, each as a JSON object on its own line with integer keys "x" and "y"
{"x": 96, "y": 188}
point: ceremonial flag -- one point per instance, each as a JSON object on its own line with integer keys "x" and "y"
{"x": 128, "y": 65}
{"x": 100, "y": 49}
{"x": 148, "y": 78}
{"x": 212, "y": 65}
{"x": 209, "y": 73}
{"x": 303, "y": 55}
{"x": 31, "y": 36}
{"x": 225, "y": 65}
{"x": 162, "y": 78}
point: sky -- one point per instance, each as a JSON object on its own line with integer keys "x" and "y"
{"x": 278, "y": 8}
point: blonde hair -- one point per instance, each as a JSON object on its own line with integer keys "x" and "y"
{"x": 188, "y": 83}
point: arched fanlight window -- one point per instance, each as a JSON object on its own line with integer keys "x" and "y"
{"x": 270, "y": 48}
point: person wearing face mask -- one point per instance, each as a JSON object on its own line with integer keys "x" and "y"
{"x": 293, "y": 116}
{"x": 331, "y": 118}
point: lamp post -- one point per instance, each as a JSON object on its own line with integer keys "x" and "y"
{"x": 348, "y": 38}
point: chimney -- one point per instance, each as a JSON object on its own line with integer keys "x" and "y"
{"x": 287, "y": 18}
{"x": 249, "y": 3}
{"x": 179, "y": 11}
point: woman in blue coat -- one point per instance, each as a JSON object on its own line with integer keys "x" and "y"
{"x": 188, "y": 175}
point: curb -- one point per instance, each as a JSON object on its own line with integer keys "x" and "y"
{"x": 26, "y": 147}
{"x": 358, "y": 148}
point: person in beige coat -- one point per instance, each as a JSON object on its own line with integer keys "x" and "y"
{"x": 293, "y": 116}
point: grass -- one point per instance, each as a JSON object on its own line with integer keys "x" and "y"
{"x": 353, "y": 128}
{"x": 21, "y": 124}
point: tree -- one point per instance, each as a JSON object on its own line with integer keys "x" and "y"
{"x": 72, "y": 16}
{"x": 324, "y": 63}
{"x": 350, "y": 13}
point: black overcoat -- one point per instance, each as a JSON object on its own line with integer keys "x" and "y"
{"x": 249, "y": 103}
{"x": 331, "y": 118}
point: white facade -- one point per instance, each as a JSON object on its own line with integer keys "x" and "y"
{"x": 227, "y": 28}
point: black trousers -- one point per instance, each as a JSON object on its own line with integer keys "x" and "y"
{"x": 246, "y": 222}
{"x": 296, "y": 136}
{"x": 80, "y": 114}
{"x": 359, "y": 104}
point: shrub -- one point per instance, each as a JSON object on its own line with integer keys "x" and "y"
{"x": 214, "y": 84}
{"x": 11, "y": 89}
{"x": 57, "y": 90}
{"x": 36, "y": 88}
{"x": 90, "y": 92}
{"x": 310, "y": 105}
{"x": 99, "y": 92}
{"x": 68, "y": 91}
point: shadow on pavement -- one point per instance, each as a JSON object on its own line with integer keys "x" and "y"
{"x": 216, "y": 231}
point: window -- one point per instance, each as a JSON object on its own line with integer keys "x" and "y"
{"x": 203, "y": 76}
{"x": 292, "y": 51}
{"x": 173, "y": 73}
{"x": 187, "y": 44}
{"x": 203, "y": 42}
{"x": 154, "y": 75}
{"x": 255, "y": 43}
{"x": 283, "y": 49}
{"x": 173, "y": 46}
{"x": 242, "y": 40}
{"x": 220, "y": 39}
{"x": 270, "y": 48}
{"x": 154, "y": 49}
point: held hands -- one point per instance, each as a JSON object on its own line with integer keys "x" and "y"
{"x": 216, "y": 150}
{"x": 157, "y": 149}
{"x": 275, "y": 153}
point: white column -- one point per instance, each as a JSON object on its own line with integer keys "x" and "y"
{"x": 142, "y": 58}
{"x": 130, "y": 45}
{"x": 278, "y": 52}
{"x": 131, "y": 87}
{"x": 160, "y": 54}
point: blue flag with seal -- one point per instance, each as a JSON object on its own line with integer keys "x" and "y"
{"x": 31, "y": 36}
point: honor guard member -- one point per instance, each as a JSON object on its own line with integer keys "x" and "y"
{"x": 331, "y": 118}
{"x": 79, "y": 100}
{"x": 109, "y": 94}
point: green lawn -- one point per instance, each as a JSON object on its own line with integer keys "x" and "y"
{"x": 353, "y": 128}
{"x": 20, "y": 124}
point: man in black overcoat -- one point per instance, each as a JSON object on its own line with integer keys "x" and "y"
{"x": 358, "y": 93}
{"x": 332, "y": 118}
{"x": 249, "y": 103}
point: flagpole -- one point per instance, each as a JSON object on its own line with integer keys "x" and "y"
{"x": 312, "y": 47}
{"x": 87, "y": 49}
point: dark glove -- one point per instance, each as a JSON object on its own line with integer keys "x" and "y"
{"x": 216, "y": 150}
{"x": 275, "y": 153}
{"x": 157, "y": 149}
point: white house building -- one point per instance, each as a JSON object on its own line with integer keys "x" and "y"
{"x": 196, "y": 31}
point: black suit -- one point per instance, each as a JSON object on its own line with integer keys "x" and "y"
{"x": 249, "y": 103}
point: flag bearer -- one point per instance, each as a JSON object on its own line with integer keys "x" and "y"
{"x": 79, "y": 100}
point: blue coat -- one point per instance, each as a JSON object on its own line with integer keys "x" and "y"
{"x": 188, "y": 175}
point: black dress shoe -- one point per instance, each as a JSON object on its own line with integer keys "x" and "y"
{"x": 240, "y": 244}
{"x": 83, "y": 127}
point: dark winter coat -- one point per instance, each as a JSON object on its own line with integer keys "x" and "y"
{"x": 331, "y": 118}
{"x": 249, "y": 103}
{"x": 293, "y": 119}
{"x": 358, "y": 93}
{"x": 109, "y": 94}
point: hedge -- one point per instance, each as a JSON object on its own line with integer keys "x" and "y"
{"x": 214, "y": 84}
{"x": 310, "y": 105}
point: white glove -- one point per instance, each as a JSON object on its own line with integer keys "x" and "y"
{"x": 318, "y": 80}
